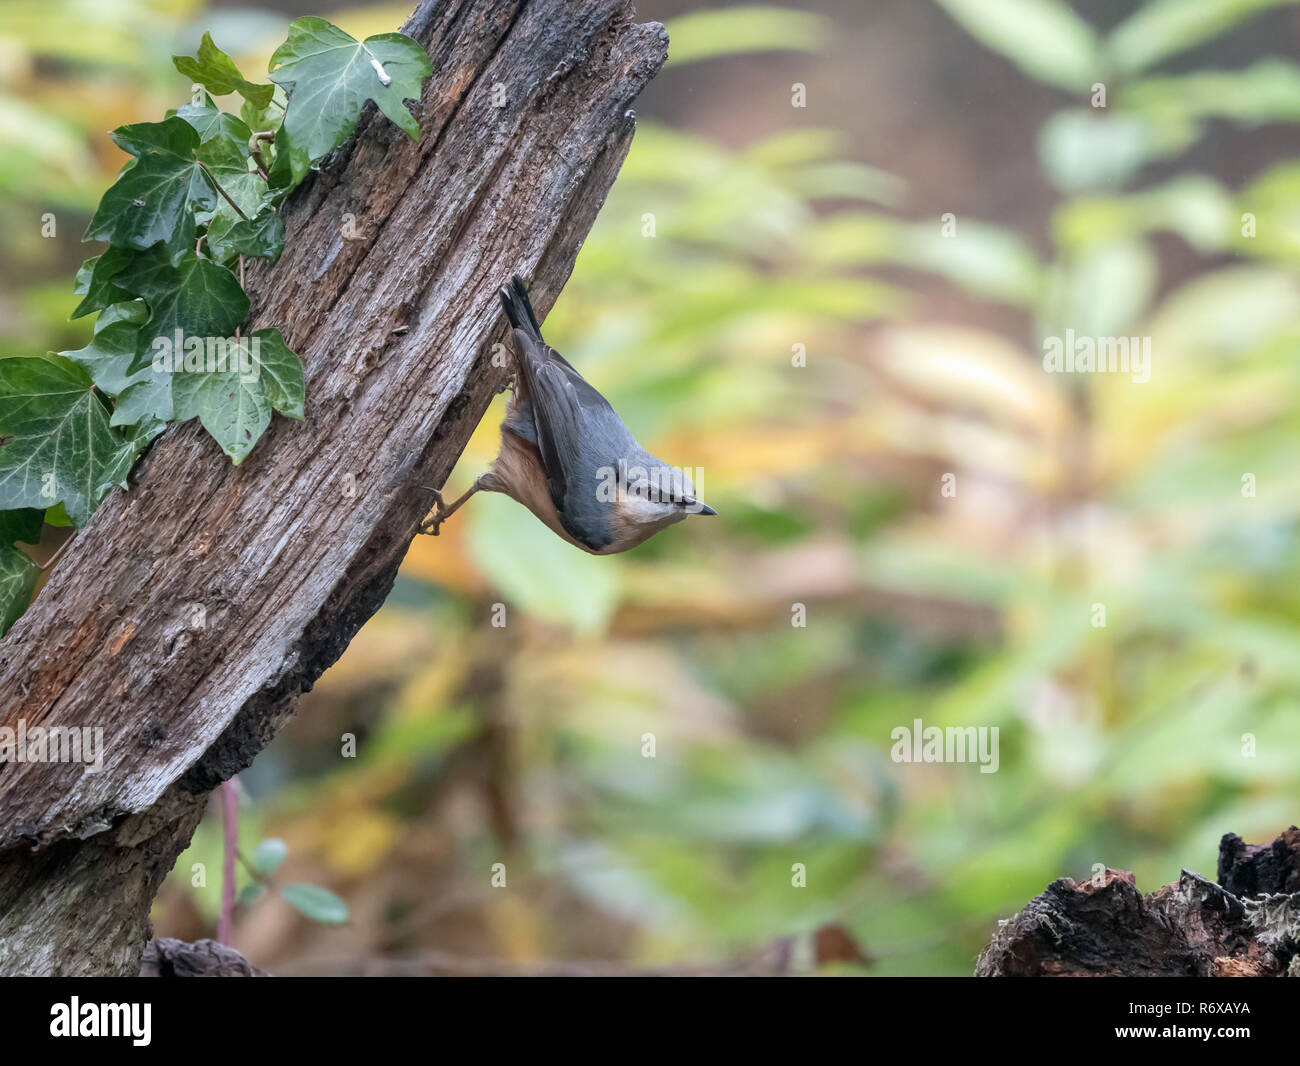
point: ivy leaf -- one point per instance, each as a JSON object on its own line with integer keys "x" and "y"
{"x": 225, "y": 154}
{"x": 23, "y": 524}
{"x": 197, "y": 297}
{"x": 256, "y": 232}
{"x": 56, "y": 443}
{"x": 267, "y": 117}
{"x": 226, "y": 159}
{"x": 280, "y": 373}
{"x": 144, "y": 408}
{"x": 17, "y": 571}
{"x": 17, "y": 579}
{"x": 230, "y": 236}
{"x": 217, "y": 73}
{"x": 223, "y": 149}
{"x": 235, "y": 403}
{"x": 95, "y": 281}
{"x": 155, "y": 198}
{"x": 232, "y": 406}
{"x": 330, "y": 75}
{"x": 282, "y": 174}
{"x": 144, "y": 395}
{"x": 318, "y": 904}
{"x": 209, "y": 122}
{"x": 112, "y": 348}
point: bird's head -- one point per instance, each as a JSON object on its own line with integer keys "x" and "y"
{"x": 656, "y": 494}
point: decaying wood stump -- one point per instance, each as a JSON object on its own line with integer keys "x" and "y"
{"x": 192, "y": 611}
{"x": 167, "y": 957}
{"x": 1246, "y": 925}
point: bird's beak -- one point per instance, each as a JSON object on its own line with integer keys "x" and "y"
{"x": 704, "y": 508}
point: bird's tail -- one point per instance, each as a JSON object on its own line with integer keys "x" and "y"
{"x": 514, "y": 298}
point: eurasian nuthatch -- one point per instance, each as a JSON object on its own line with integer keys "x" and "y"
{"x": 567, "y": 456}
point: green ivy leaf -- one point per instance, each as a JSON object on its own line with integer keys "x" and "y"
{"x": 144, "y": 396}
{"x": 235, "y": 404}
{"x": 226, "y": 158}
{"x": 230, "y": 236}
{"x": 56, "y": 443}
{"x": 318, "y": 904}
{"x": 267, "y": 117}
{"x": 198, "y": 297}
{"x": 282, "y": 175}
{"x": 330, "y": 75}
{"x": 17, "y": 579}
{"x": 155, "y": 198}
{"x": 112, "y": 348}
{"x": 280, "y": 373}
{"x": 223, "y": 149}
{"x": 192, "y": 173}
{"x": 209, "y": 121}
{"x": 95, "y": 281}
{"x": 231, "y": 405}
{"x": 144, "y": 408}
{"x": 217, "y": 73}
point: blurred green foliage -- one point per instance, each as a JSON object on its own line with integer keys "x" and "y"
{"x": 710, "y": 272}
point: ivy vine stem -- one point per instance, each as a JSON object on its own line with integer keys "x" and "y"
{"x": 212, "y": 178}
{"x": 57, "y": 552}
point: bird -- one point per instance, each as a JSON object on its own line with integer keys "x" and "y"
{"x": 569, "y": 458}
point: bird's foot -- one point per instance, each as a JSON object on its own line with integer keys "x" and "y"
{"x": 432, "y": 523}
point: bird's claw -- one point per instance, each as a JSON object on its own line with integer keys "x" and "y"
{"x": 433, "y": 522}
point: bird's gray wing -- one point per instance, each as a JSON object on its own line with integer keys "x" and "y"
{"x": 578, "y": 433}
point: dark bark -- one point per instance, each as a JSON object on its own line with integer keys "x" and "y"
{"x": 192, "y": 611}
{"x": 1247, "y": 925}
{"x": 1252, "y": 869}
{"x": 166, "y": 957}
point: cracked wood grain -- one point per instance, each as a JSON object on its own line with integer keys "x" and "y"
{"x": 193, "y": 610}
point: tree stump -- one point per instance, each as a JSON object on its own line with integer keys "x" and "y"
{"x": 1247, "y": 925}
